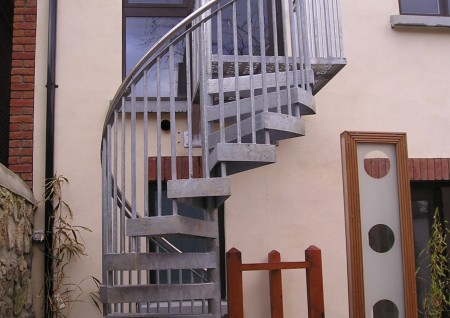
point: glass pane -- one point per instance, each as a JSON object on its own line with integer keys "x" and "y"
{"x": 377, "y": 164}
{"x": 141, "y": 34}
{"x": 242, "y": 29}
{"x": 157, "y": 1}
{"x": 421, "y": 210}
{"x": 419, "y": 7}
{"x": 381, "y": 238}
{"x": 380, "y": 232}
{"x": 385, "y": 309}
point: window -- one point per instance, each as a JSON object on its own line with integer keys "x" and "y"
{"x": 426, "y": 197}
{"x": 145, "y": 22}
{"x": 425, "y": 7}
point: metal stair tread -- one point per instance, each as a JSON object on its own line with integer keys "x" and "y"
{"x": 170, "y": 224}
{"x": 299, "y": 97}
{"x": 156, "y": 261}
{"x": 229, "y": 83}
{"x": 280, "y": 127}
{"x": 155, "y": 292}
{"x": 242, "y": 157}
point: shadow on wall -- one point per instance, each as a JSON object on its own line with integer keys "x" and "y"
{"x": 16, "y": 230}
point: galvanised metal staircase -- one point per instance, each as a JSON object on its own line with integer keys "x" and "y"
{"x": 232, "y": 79}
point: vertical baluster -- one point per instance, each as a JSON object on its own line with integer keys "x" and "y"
{"x": 192, "y": 281}
{"x": 109, "y": 216}
{"x": 316, "y": 28}
{"x": 133, "y": 160}
{"x": 189, "y": 101}
{"x": 236, "y": 75}
{"x": 203, "y": 98}
{"x": 301, "y": 42}
{"x": 286, "y": 57}
{"x": 145, "y": 116}
{"x": 294, "y": 46}
{"x": 262, "y": 48}
{"x": 275, "y": 53}
{"x": 173, "y": 130}
{"x": 306, "y": 45}
{"x": 122, "y": 189}
{"x": 158, "y": 157}
{"x": 323, "y": 30}
{"x": 106, "y": 307}
{"x": 339, "y": 19}
{"x": 115, "y": 199}
{"x": 109, "y": 188}
{"x": 220, "y": 78}
{"x": 250, "y": 66}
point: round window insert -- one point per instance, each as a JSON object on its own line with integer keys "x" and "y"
{"x": 377, "y": 164}
{"x": 385, "y": 309}
{"x": 381, "y": 238}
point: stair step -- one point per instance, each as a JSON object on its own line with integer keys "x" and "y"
{"x": 299, "y": 97}
{"x": 211, "y": 192}
{"x": 242, "y": 157}
{"x": 229, "y": 83}
{"x": 148, "y": 315}
{"x": 170, "y": 224}
{"x": 155, "y": 261}
{"x": 155, "y": 292}
{"x": 279, "y": 126}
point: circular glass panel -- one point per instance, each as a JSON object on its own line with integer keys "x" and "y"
{"x": 377, "y": 164}
{"x": 381, "y": 238}
{"x": 385, "y": 309}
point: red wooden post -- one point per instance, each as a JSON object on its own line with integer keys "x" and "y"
{"x": 234, "y": 284}
{"x": 276, "y": 289}
{"x": 314, "y": 283}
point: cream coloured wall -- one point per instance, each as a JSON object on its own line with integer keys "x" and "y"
{"x": 89, "y": 46}
{"x": 395, "y": 80}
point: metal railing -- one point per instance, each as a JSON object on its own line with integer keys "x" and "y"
{"x": 210, "y": 76}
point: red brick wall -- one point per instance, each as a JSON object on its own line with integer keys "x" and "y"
{"x": 419, "y": 169}
{"x": 22, "y": 90}
{"x": 433, "y": 169}
{"x": 182, "y": 168}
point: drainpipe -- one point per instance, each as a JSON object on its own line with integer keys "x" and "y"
{"x": 49, "y": 155}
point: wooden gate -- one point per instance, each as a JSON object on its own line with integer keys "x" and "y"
{"x": 314, "y": 281}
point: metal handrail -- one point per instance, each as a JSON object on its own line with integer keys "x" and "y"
{"x": 137, "y": 71}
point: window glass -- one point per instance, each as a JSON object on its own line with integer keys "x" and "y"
{"x": 426, "y": 7}
{"x": 242, "y": 29}
{"x": 141, "y": 34}
{"x": 426, "y": 197}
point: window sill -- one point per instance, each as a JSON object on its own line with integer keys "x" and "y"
{"x": 419, "y": 21}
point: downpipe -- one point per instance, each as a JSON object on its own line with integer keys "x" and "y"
{"x": 49, "y": 157}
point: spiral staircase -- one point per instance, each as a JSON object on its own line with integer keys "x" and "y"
{"x": 231, "y": 80}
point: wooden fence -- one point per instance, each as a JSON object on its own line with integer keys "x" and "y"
{"x": 314, "y": 281}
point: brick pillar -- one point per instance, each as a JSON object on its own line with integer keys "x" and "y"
{"x": 22, "y": 90}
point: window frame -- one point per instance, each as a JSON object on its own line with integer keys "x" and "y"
{"x": 444, "y": 10}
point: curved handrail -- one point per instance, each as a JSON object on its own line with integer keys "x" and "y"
{"x": 136, "y": 74}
